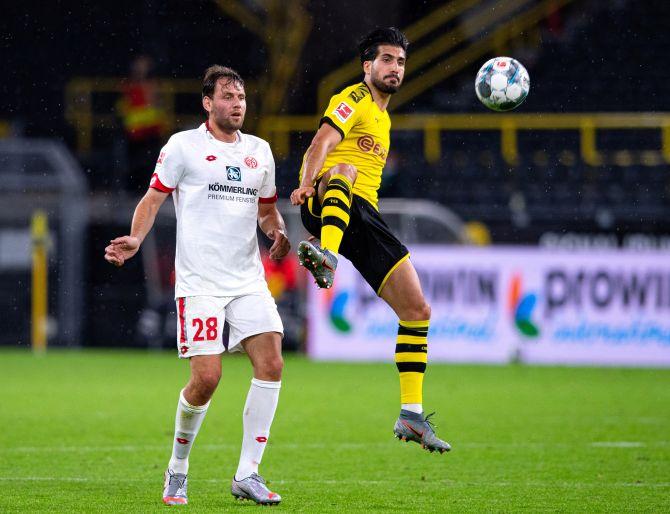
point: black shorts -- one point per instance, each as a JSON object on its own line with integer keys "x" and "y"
{"x": 368, "y": 242}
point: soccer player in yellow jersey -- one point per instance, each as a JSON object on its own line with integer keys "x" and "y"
{"x": 339, "y": 181}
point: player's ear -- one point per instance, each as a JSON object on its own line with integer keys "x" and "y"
{"x": 207, "y": 103}
{"x": 367, "y": 65}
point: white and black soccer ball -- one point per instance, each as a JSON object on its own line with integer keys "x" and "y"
{"x": 502, "y": 84}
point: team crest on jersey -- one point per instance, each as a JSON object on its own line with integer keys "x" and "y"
{"x": 343, "y": 111}
{"x": 234, "y": 173}
{"x": 251, "y": 162}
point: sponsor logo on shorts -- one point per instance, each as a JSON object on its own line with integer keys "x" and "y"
{"x": 343, "y": 111}
{"x": 183, "y": 349}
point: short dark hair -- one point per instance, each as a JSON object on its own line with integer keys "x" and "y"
{"x": 368, "y": 46}
{"x": 216, "y": 72}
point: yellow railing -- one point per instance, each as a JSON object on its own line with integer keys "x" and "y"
{"x": 279, "y": 128}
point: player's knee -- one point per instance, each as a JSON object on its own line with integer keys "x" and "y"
{"x": 271, "y": 368}
{"x": 421, "y": 311}
{"x": 347, "y": 170}
{"x": 425, "y": 310}
{"x": 207, "y": 381}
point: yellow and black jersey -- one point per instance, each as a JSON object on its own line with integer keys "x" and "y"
{"x": 366, "y": 137}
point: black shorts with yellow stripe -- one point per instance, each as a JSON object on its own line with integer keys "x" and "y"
{"x": 367, "y": 242}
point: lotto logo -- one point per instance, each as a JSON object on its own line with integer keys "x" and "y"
{"x": 160, "y": 158}
{"x": 234, "y": 173}
{"x": 343, "y": 111}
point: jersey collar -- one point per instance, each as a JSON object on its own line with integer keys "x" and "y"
{"x": 210, "y": 136}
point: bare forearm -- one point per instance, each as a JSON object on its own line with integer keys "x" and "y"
{"x": 314, "y": 158}
{"x": 143, "y": 219}
{"x": 271, "y": 221}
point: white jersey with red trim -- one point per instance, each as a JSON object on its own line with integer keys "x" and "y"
{"x": 216, "y": 188}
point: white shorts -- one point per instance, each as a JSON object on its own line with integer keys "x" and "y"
{"x": 200, "y": 322}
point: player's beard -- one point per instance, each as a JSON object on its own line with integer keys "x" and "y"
{"x": 228, "y": 123}
{"x": 385, "y": 88}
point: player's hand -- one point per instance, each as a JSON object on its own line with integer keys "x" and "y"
{"x": 281, "y": 245}
{"x": 298, "y": 196}
{"x": 121, "y": 249}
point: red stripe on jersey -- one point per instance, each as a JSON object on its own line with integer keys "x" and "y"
{"x": 158, "y": 185}
{"x": 182, "y": 321}
{"x": 271, "y": 199}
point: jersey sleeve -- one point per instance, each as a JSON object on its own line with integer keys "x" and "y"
{"x": 268, "y": 190}
{"x": 342, "y": 113}
{"x": 169, "y": 168}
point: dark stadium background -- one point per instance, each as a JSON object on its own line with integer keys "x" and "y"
{"x": 586, "y": 56}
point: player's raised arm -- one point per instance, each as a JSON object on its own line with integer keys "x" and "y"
{"x": 124, "y": 247}
{"x": 324, "y": 141}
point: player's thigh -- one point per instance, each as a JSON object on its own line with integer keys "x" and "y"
{"x": 251, "y": 315}
{"x": 402, "y": 292}
{"x": 200, "y": 322}
{"x": 370, "y": 245}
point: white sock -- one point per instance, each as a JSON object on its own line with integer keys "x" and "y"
{"x": 187, "y": 423}
{"x": 256, "y": 420}
{"x": 413, "y": 407}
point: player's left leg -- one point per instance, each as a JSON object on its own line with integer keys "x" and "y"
{"x": 402, "y": 292}
{"x": 256, "y": 327}
{"x": 264, "y": 351}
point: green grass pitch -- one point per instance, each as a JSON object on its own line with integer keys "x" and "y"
{"x": 92, "y": 432}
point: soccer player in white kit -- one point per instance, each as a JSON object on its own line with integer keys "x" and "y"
{"x": 223, "y": 184}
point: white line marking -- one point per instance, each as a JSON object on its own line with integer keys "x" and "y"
{"x": 618, "y": 444}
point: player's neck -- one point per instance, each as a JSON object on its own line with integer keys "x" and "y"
{"x": 381, "y": 99}
{"x": 221, "y": 135}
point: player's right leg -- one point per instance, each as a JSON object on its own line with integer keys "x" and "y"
{"x": 199, "y": 338}
{"x": 334, "y": 197}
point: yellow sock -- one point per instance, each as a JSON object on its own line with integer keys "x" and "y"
{"x": 335, "y": 212}
{"x": 411, "y": 355}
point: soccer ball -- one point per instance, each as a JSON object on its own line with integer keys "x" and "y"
{"x": 502, "y": 84}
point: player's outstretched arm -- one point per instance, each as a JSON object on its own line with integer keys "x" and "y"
{"x": 272, "y": 224}
{"x": 124, "y": 247}
{"x": 325, "y": 140}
